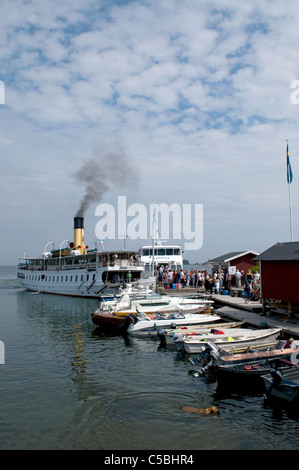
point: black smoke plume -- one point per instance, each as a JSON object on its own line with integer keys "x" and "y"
{"x": 102, "y": 173}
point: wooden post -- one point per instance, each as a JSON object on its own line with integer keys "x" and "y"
{"x": 264, "y": 306}
{"x": 290, "y": 309}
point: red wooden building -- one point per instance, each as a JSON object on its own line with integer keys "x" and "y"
{"x": 279, "y": 269}
{"x": 241, "y": 260}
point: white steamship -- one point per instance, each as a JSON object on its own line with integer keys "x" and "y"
{"x": 81, "y": 272}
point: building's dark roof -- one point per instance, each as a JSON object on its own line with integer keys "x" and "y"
{"x": 229, "y": 256}
{"x": 287, "y": 251}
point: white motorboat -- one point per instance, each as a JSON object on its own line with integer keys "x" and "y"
{"x": 208, "y": 334}
{"x": 156, "y": 322}
{"x": 188, "y": 330}
{"x": 230, "y": 340}
{"x": 153, "y": 303}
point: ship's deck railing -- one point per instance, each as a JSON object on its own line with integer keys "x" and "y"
{"x": 61, "y": 265}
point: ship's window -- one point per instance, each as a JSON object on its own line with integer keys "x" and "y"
{"x": 87, "y": 277}
{"x": 93, "y": 277}
{"x": 65, "y": 278}
{"x": 76, "y": 278}
{"x": 71, "y": 279}
{"x": 61, "y": 278}
{"x": 161, "y": 251}
{"x": 177, "y": 251}
{"x": 169, "y": 251}
{"x": 49, "y": 278}
{"x": 82, "y": 277}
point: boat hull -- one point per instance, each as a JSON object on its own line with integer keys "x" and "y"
{"x": 108, "y": 320}
{"x": 193, "y": 347}
{"x": 193, "y": 329}
{"x": 151, "y": 325}
{"x": 85, "y": 282}
{"x": 248, "y": 372}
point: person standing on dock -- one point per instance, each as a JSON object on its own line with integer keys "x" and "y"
{"x": 238, "y": 278}
{"x": 217, "y": 285}
{"x": 248, "y": 290}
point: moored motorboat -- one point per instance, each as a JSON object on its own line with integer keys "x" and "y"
{"x": 231, "y": 339}
{"x": 156, "y": 322}
{"x": 248, "y": 372}
{"x": 250, "y": 363}
{"x": 268, "y": 350}
{"x": 152, "y": 303}
{"x": 107, "y": 320}
{"x": 189, "y": 330}
{"x": 149, "y": 323}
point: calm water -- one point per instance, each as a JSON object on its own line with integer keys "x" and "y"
{"x": 66, "y": 386}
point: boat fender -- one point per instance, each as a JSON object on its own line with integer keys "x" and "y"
{"x": 173, "y": 326}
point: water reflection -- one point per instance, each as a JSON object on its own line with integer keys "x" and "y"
{"x": 79, "y": 362}
{"x": 85, "y": 388}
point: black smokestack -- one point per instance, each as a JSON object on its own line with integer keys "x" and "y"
{"x": 78, "y": 222}
{"x": 101, "y": 173}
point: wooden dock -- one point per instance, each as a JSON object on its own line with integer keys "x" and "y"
{"x": 235, "y": 308}
{"x": 238, "y": 302}
{"x": 289, "y": 326}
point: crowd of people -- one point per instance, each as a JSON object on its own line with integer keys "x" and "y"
{"x": 211, "y": 282}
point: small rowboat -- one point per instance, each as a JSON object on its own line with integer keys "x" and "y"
{"x": 228, "y": 341}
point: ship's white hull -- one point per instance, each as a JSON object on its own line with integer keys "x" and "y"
{"x": 88, "y": 284}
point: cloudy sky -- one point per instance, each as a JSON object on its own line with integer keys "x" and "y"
{"x": 191, "y": 102}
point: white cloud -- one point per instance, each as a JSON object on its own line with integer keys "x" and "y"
{"x": 197, "y": 92}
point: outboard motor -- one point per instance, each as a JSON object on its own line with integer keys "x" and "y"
{"x": 162, "y": 337}
{"x": 129, "y": 319}
{"x": 203, "y": 369}
{"x": 276, "y": 380}
{"x": 276, "y": 377}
